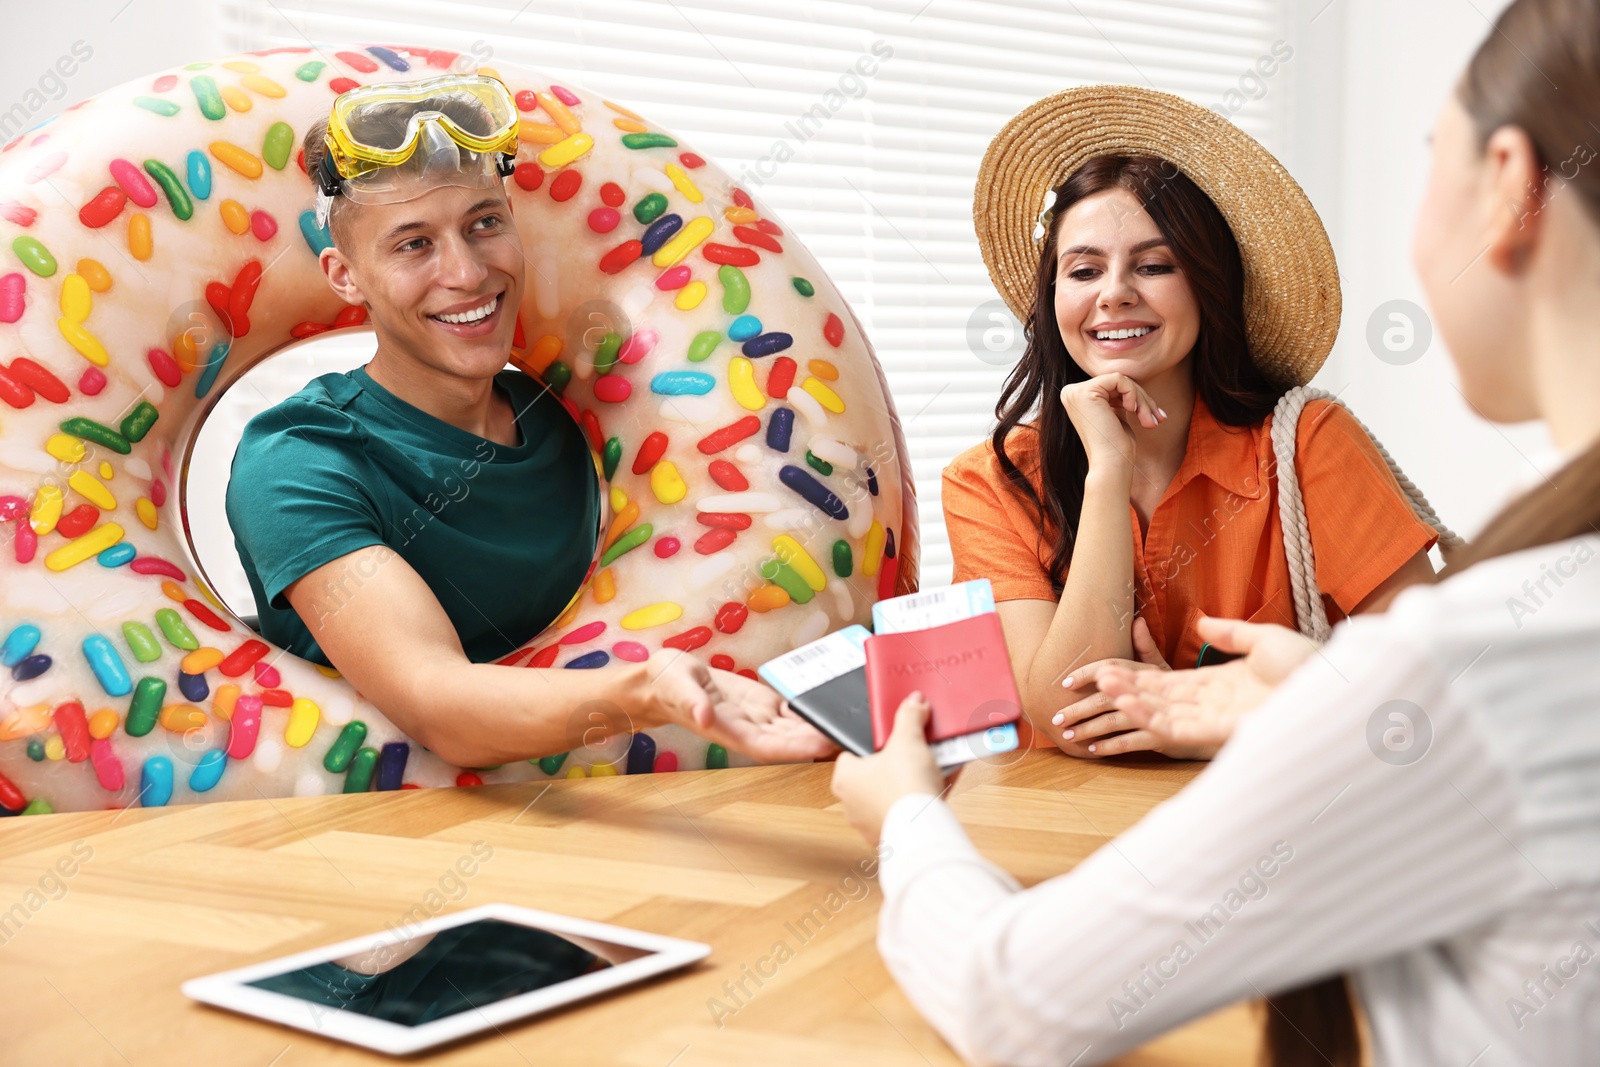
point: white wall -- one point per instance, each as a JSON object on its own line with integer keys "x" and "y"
{"x": 125, "y": 39}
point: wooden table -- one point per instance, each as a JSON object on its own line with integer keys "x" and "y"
{"x": 90, "y": 965}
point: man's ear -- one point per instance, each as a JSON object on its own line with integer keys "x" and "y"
{"x": 336, "y": 268}
{"x": 1516, "y": 182}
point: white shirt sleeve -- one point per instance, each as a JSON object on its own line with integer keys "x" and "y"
{"x": 1309, "y": 846}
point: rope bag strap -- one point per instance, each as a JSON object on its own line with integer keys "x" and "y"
{"x": 1310, "y": 616}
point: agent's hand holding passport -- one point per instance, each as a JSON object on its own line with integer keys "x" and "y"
{"x": 946, "y": 643}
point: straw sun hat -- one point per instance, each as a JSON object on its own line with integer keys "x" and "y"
{"x": 1291, "y": 282}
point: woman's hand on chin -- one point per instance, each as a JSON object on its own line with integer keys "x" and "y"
{"x": 869, "y": 786}
{"x": 1101, "y": 410}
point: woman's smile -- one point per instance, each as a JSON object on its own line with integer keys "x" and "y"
{"x": 1114, "y": 338}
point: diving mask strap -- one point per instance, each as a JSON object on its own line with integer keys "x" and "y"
{"x": 328, "y": 183}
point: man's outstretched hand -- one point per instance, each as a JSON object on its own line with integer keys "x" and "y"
{"x": 1195, "y": 711}
{"x": 737, "y": 713}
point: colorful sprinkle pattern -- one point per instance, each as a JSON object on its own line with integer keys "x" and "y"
{"x": 742, "y": 430}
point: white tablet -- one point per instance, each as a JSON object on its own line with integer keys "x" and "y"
{"x": 417, "y": 986}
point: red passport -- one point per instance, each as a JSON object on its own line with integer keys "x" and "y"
{"x": 961, "y": 667}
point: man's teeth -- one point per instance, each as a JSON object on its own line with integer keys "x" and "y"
{"x": 471, "y": 316}
{"x": 1119, "y": 335}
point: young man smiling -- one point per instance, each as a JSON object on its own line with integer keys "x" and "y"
{"x": 413, "y": 520}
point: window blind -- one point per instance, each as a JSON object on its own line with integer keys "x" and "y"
{"x": 874, "y": 171}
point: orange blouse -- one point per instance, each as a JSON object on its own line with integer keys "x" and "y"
{"x": 1215, "y": 543}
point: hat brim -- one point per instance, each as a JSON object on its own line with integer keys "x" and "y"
{"x": 1291, "y": 280}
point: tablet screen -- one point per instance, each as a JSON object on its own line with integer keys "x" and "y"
{"x": 419, "y": 979}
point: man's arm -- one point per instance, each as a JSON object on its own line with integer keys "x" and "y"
{"x": 393, "y": 641}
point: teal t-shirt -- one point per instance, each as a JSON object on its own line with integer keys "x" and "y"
{"x": 503, "y": 535}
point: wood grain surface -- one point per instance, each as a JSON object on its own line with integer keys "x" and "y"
{"x": 104, "y": 914}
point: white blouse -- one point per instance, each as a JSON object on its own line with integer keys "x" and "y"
{"x": 1418, "y": 806}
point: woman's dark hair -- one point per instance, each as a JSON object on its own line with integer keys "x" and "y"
{"x": 1232, "y": 386}
{"x": 1537, "y": 70}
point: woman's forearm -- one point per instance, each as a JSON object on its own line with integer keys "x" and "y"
{"x": 1094, "y": 617}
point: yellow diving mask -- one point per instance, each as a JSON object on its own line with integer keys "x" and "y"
{"x": 393, "y": 142}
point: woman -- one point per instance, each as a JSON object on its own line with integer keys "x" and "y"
{"x": 1158, "y": 347}
{"x": 1417, "y": 806}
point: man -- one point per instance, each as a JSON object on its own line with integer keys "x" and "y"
{"x": 415, "y": 519}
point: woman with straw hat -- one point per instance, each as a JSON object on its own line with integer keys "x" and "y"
{"x": 1177, "y": 288}
{"x": 1409, "y": 814}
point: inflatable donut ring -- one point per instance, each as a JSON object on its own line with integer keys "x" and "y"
{"x": 757, "y": 494}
